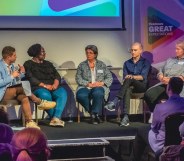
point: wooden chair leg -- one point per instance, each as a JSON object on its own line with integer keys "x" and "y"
{"x": 43, "y": 115}
{"x": 119, "y": 113}
{"x": 23, "y": 120}
{"x": 144, "y": 113}
{"x": 78, "y": 113}
{"x": 104, "y": 111}
{"x": 36, "y": 112}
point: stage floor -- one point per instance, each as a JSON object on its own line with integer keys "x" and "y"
{"x": 120, "y": 138}
{"x": 84, "y": 129}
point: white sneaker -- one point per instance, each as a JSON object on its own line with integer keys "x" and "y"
{"x": 151, "y": 118}
{"x": 57, "y": 122}
{"x": 46, "y": 105}
{"x": 32, "y": 124}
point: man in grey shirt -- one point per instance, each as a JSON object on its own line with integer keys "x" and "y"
{"x": 174, "y": 67}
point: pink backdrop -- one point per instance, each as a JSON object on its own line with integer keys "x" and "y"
{"x": 162, "y": 24}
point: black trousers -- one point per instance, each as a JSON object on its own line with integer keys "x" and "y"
{"x": 128, "y": 87}
{"x": 154, "y": 95}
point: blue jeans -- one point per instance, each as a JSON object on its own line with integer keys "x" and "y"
{"x": 91, "y": 99}
{"x": 59, "y": 96}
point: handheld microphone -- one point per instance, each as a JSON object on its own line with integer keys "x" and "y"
{"x": 17, "y": 68}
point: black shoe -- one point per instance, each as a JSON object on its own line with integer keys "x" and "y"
{"x": 93, "y": 120}
{"x": 97, "y": 119}
{"x": 125, "y": 121}
{"x": 110, "y": 106}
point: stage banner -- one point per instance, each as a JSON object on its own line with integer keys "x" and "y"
{"x": 162, "y": 24}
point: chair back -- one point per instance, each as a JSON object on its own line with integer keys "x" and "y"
{"x": 172, "y": 123}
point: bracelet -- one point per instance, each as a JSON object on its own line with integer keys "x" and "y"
{"x": 45, "y": 86}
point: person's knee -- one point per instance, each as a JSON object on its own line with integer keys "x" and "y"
{"x": 127, "y": 81}
{"x": 128, "y": 91}
{"x": 45, "y": 95}
{"x": 62, "y": 93}
{"x": 25, "y": 99}
{"x": 98, "y": 94}
{"x": 81, "y": 95}
{"x": 147, "y": 96}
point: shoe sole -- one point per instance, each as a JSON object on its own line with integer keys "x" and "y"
{"x": 124, "y": 125}
{"x": 37, "y": 127}
{"x": 109, "y": 109}
{"x": 95, "y": 123}
{"x": 42, "y": 108}
{"x": 56, "y": 125}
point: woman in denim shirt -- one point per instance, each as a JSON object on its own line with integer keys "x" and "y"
{"x": 93, "y": 79}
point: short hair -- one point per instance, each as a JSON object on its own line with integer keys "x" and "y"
{"x": 93, "y": 48}
{"x": 34, "y": 50}
{"x": 180, "y": 43}
{"x": 6, "y": 133}
{"x": 7, "y": 51}
{"x": 176, "y": 85}
{"x": 31, "y": 144}
{"x": 139, "y": 44}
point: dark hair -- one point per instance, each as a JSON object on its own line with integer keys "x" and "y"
{"x": 176, "y": 85}
{"x": 8, "y": 51}
{"x": 6, "y": 133}
{"x": 31, "y": 144}
{"x": 34, "y": 50}
{"x": 93, "y": 48}
{"x": 5, "y": 152}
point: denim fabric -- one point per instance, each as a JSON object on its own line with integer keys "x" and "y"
{"x": 91, "y": 99}
{"x": 59, "y": 96}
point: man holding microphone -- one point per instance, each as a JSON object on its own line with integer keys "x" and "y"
{"x": 9, "y": 89}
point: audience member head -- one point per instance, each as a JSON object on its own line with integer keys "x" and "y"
{"x": 174, "y": 86}
{"x": 34, "y": 50}
{"x": 3, "y": 115}
{"x": 6, "y": 133}
{"x": 92, "y": 48}
{"x": 136, "y": 50}
{"x": 31, "y": 145}
{"x": 7, "y": 51}
{"x": 181, "y": 130}
{"x": 180, "y": 49}
{"x": 5, "y": 152}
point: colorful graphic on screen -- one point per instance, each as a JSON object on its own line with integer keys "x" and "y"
{"x": 109, "y": 8}
{"x": 161, "y": 28}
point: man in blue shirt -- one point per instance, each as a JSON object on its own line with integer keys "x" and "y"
{"x": 135, "y": 72}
